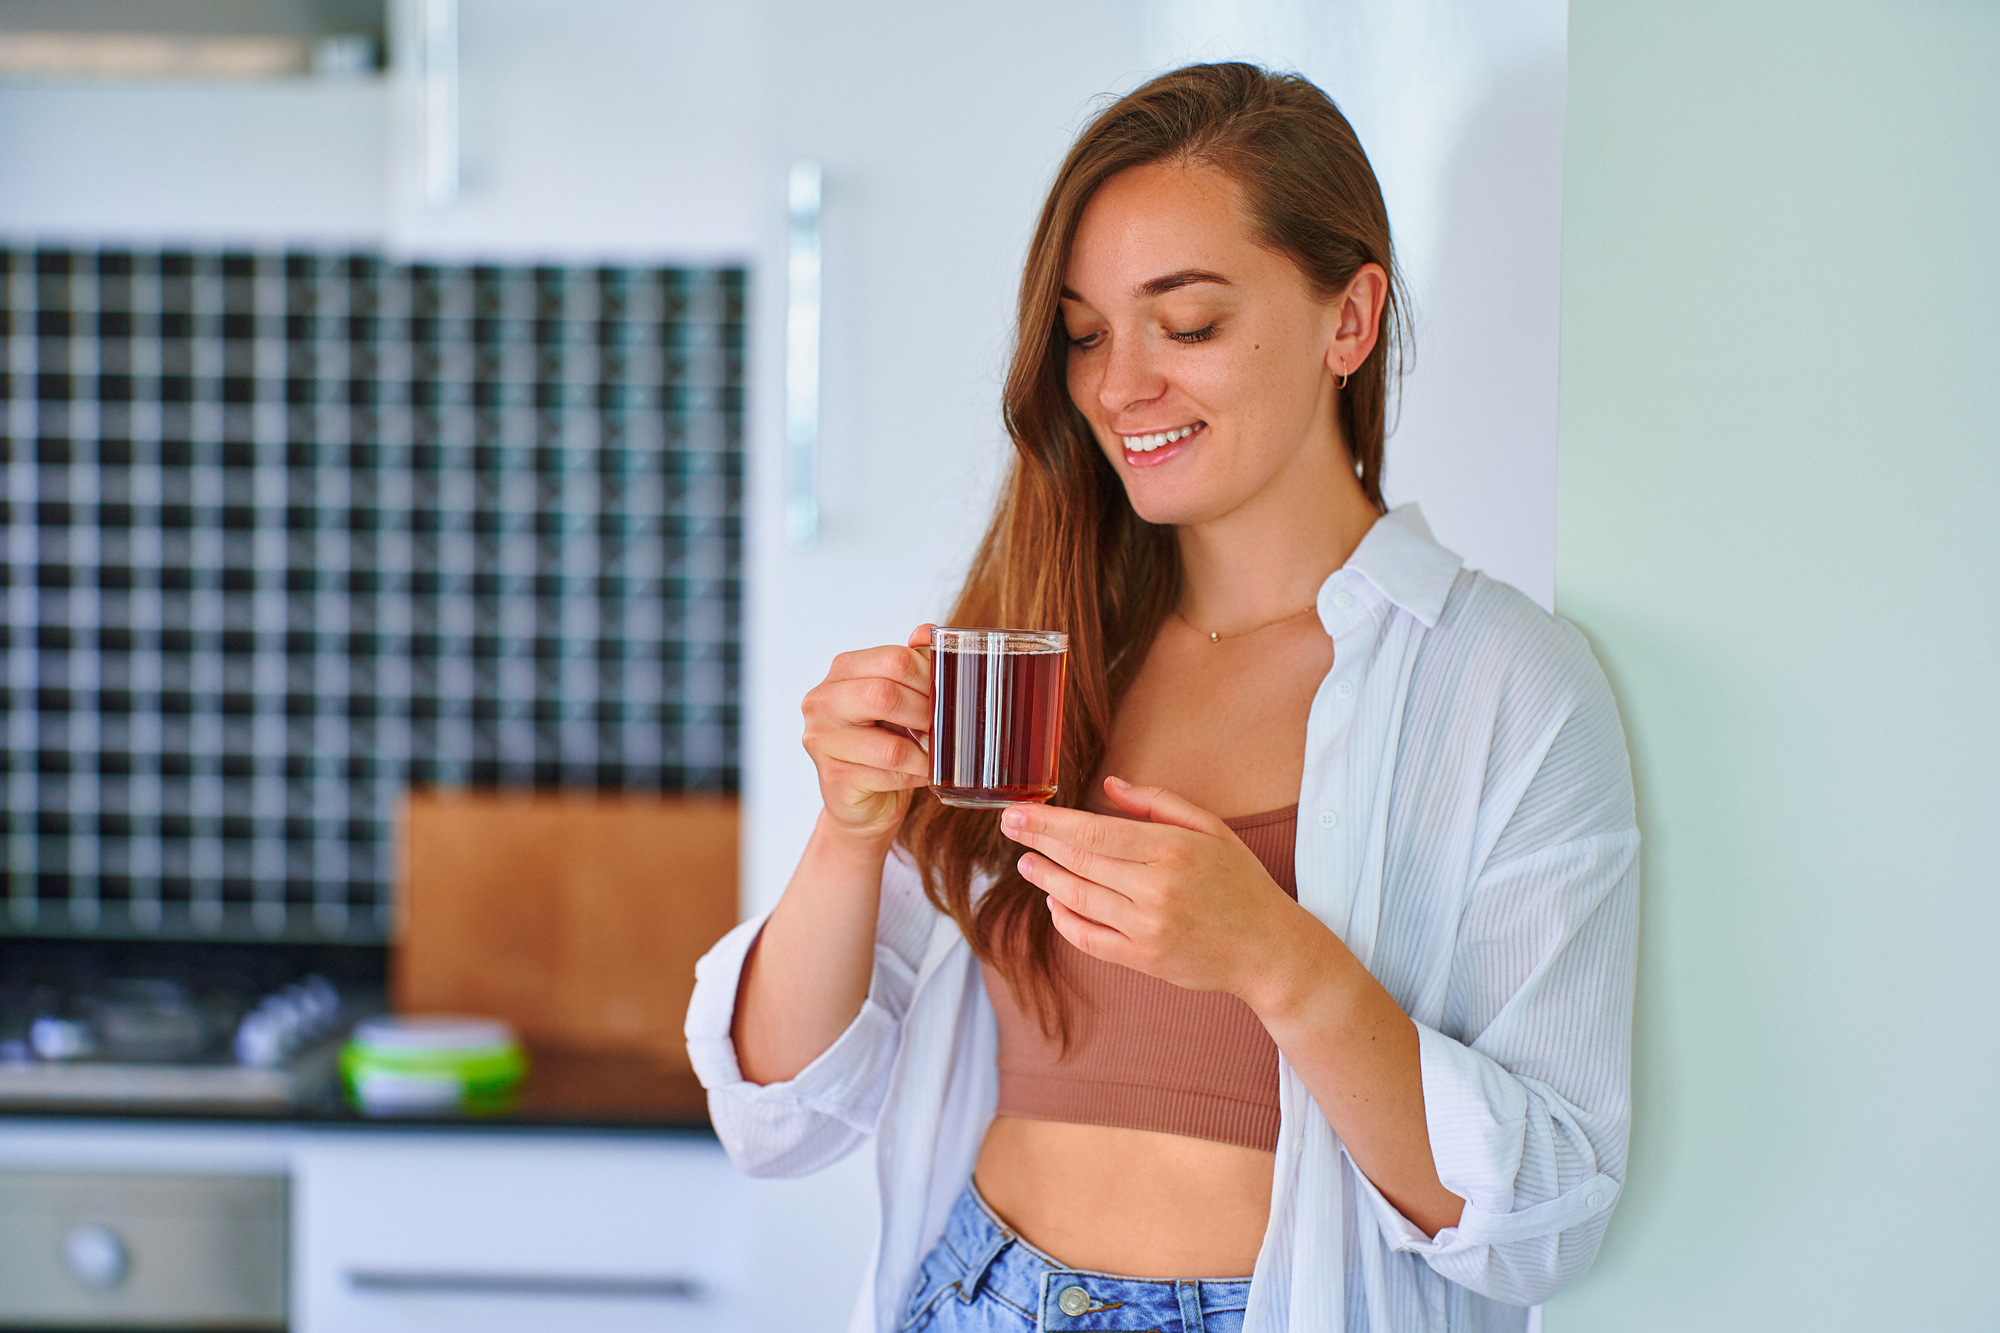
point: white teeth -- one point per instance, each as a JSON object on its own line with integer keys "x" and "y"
{"x": 1145, "y": 444}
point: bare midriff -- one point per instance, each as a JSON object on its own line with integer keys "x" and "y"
{"x": 1128, "y": 1201}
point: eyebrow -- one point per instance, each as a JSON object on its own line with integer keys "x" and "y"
{"x": 1170, "y": 282}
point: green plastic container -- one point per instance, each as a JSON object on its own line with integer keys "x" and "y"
{"x": 412, "y": 1065}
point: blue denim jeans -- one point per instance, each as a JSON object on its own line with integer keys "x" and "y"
{"x": 982, "y": 1278}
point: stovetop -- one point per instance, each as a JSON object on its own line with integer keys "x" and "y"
{"x": 227, "y": 1026}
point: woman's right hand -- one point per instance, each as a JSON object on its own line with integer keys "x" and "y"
{"x": 866, "y": 770}
{"x": 808, "y": 973}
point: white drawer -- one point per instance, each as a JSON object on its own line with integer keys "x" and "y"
{"x": 440, "y": 1230}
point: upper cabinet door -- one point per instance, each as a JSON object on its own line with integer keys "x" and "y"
{"x": 618, "y": 129}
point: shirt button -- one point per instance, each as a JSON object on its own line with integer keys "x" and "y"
{"x": 1595, "y": 1201}
{"x": 1073, "y": 1300}
{"x": 1343, "y": 600}
{"x": 1345, "y": 689}
{"x": 1328, "y": 819}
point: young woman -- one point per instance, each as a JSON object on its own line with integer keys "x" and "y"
{"x": 1307, "y": 1004}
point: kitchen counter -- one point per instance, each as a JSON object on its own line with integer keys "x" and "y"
{"x": 564, "y": 1090}
{"x": 127, "y": 991}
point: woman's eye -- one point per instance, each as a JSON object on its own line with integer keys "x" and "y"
{"x": 1201, "y": 335}
{"x": 1086, "y": 342}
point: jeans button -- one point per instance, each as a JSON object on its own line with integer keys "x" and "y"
{"x": 1073, "y": 1300}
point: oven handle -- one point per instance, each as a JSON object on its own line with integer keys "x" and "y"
{"x": 418, "y": 1282}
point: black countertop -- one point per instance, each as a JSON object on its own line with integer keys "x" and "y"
{"x": 563, "y": 1090}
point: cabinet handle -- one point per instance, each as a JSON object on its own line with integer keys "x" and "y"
{"x": 419, "y": 1283}
{"x": 439, "y": 79}
{"x": 802, "y": 324}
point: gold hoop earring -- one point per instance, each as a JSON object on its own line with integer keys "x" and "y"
{"x": 1341, "y": 382}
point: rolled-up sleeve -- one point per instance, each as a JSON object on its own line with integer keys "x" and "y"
{"x": 1526, "y": 1079}
{"x": 831, "y": 1106}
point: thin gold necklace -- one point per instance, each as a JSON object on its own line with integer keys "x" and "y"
{"x": 1214, "y": 636}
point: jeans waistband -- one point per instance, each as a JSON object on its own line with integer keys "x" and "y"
{"x": 995, "y": 1260}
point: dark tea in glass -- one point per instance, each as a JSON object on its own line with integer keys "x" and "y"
{"x": 996, "y": 714}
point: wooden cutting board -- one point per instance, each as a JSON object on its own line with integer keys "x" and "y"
{"x": 578, "y": 919}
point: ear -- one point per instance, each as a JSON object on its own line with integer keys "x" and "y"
{"x": 1357, "y": 314}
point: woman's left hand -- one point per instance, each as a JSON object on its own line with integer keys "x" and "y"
{"x": 1171, "y": 892}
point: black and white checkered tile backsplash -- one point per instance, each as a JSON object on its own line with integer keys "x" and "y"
{"x": 287, "y": 533}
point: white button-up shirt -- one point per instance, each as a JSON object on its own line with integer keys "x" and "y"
{"x": 1473, "y": 844}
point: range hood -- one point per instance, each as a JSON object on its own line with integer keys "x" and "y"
{"x": 181, "y": 39}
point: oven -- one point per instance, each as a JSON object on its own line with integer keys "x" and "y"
{"x": 143, "y": 1249}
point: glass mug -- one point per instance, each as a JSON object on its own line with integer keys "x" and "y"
{"x": 996, "y": 714}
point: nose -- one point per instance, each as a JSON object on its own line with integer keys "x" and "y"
{"x": 1129, "y": 376}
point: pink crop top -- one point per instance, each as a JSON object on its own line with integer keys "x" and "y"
{"x": 1144, "y": 1053}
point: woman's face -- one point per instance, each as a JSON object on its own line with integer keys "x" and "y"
{"x": 1202, "y": 360}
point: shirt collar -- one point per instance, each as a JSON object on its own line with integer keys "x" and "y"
{"x": 1405, "y": 563}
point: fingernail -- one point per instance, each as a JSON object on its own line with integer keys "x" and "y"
{"x": 1012, "y": 820}
{"x": 1121, "y": 784}
{"x": 1022, "y": 866}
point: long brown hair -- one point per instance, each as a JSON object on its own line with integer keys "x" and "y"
{"x": 1065, "y": 550}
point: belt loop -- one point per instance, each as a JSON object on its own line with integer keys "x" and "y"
{"x": 976, "y": 1267}
{"x": 1190, "y": 1294}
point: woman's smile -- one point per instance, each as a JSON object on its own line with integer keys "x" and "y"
{"x": 1156, "y": 447}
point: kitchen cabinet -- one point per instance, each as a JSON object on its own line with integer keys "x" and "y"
{"x": 396, "y": 1232}
{"x": 600, "y": 130}
{"x": 611, "y": 129}
{"x": 394, "y": 1228}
